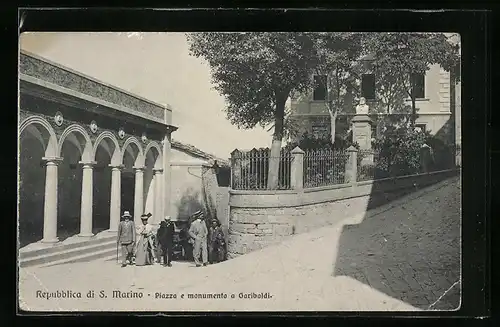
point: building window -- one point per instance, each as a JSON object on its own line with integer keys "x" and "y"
{"x": 320, "y": 131}
{"x": 368, "y": 86}
{"x": 418, "y": 85}
{"x": 420, "y": 127}
{"x": 320, "y": 88}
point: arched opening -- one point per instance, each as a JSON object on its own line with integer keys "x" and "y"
{"x": 150, "y": 162}
{"x": 34, "y": 143}
{"x": 74, "y": 147}
{"x": 131, "y": 154}
{"x": 102, "y": 185}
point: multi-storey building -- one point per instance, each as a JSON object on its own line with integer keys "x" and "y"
{"x": 437, "y": 103}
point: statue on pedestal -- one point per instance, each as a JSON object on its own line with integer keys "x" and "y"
{"x": 362, "y": 107}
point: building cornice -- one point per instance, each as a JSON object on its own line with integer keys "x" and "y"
{"x": 41, "y": 68}
{"x": 68, "y": 97}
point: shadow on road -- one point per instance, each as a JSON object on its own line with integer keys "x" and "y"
{"x": 410, "y": 252}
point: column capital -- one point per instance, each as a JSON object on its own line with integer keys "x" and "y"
{"x": 158, "y": 170}
{"x": 52, "y": 160}
{"x": 120, "y": 167}
{"x": 138, "y": 168}
{"x": 87, "y": 163}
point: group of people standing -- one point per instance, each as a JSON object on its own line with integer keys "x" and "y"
{"x": 146, "y": 245}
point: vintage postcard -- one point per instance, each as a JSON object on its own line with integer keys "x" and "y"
{"x": 249, "y": 171}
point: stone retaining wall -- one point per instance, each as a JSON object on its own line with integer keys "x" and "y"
{"x": 254, "y": 225}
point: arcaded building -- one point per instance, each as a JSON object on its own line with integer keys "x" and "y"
{"x": 87, "y": 152}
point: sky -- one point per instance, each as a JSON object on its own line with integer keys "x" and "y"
{"x": 158, "y": 67}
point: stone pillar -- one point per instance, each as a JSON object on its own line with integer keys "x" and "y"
{"x": 166, "y": 185}
{"x": 138, "y": 194}
{"x": 351, "y": 168}
{"x": 158, "y": 195}
{"x": 50, "y": 201}
{"x": 115, "y": 200}
{"x": 87, "y": 199}
{"x": 297, "y": 169}
{"x": 236, "y": 169}
{"x": 425, "y": 158}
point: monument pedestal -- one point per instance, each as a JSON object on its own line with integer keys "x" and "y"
{"x": 362, "y": 134}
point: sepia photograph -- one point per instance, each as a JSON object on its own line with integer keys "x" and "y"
{"x": 239, "y": 171}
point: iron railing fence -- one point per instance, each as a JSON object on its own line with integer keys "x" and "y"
{"x": 250, "y": 170}
{"x": 324, "y": 167}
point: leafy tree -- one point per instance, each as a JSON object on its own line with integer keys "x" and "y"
{"x": 257, "y": 73}
{"x": 399, "y": 56}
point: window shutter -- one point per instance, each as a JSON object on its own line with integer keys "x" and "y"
{"x": 320, "y": 89}
{"x": 368, "y": 86}
{"x": 419, "y": 85}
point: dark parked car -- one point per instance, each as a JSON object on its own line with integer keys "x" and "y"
{"x": 182, "y": 248}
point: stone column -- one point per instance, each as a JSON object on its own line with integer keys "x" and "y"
{"x": 50, "y": 201}
{"x": 87, "y": 199}
{"x": 138, "y": 194}
{"x": 166, "y": 187}
{"x": 115, "y": 200}
{"x": 297, "y": 169}
{"x": 158, "y": 195}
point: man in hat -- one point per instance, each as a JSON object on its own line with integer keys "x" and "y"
{"x": 126, "y": 237}
{"x": 145, "y": 244}
{"x": 165, "y": 236}
{"x": 216, "y": 242}
{"x": 198, "y": 232}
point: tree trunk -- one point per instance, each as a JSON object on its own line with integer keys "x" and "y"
{"x": 274, "y": 160}
{"x": 413, "y": 116}
{"x": 413, "y": 111}
{"x": 333, "y": 120}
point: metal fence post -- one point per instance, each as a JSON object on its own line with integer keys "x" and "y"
{"x": 351, "y": 169}
{"x": 297, "y": 169}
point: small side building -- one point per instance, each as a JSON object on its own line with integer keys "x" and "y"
{"x": 200, "y": 181}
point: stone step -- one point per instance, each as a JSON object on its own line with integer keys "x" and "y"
{"x": 62, "y": 247}
{"x": 74, "y": 252}
{"x": 112, "y": 257}
{"x": 87, "y": 257}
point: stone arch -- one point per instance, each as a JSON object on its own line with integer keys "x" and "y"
{"x": 74, "y": 146}
{"x": 158, "y": 154}
{"x": 105, "y": 152}
{"x": 36, "y": 140}
{"x": 83, "y": 143}
{"x": 139, "y": 157}
{"x": 115, "y": 154}
{"x": 152, "y": 186}
{"x": 132, "y": 156}
{"x": 46, "y": 136}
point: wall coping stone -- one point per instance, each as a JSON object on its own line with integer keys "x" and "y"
{"x": 292, "y": 198}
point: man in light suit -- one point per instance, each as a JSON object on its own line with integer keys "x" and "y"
{"x": 198, "y": 232}
{"x": 126, "y": 237}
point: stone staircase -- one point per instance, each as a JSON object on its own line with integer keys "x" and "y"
{"x": 102, "y": 245}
